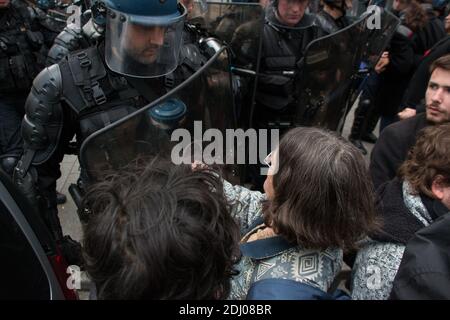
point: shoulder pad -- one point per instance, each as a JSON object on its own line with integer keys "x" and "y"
{"x": 67, "y": 40}
{"x": 70, "y": 32}
{"x": 49, "y": 82}
{"x": 56, "y": 53}
{"x": 191, "y": 56}
{"x": 43, "y": 120}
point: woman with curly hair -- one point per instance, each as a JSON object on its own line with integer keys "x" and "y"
{"x": 412, "y": 201}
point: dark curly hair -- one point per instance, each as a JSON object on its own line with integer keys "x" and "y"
{"x": 323, "y": 195}
{"x": 160, "y": 231}
{"x": 429, "y": 157}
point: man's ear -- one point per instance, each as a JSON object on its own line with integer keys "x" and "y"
{"x": 437, "y": 187}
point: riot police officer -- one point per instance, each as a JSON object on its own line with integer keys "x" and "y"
{"x": 142, "y": 57}
{"x": 24, "y": 42}
{"x": 287, "y": 32}
{"x": 80, "y": 34}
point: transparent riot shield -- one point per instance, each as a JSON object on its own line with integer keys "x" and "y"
{"x": 223, "y": 19}
{"x": 327, "y": 74}
{"x": 239, "y": 25}
{"x": 186, "y": 124}
{"x": 381, "y": 25}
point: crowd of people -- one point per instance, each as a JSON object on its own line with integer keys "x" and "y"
{"x": 157, "y": 230}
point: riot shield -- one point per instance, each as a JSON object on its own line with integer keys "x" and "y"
{"x": 240, "y": 26}
{"x": 202, "y": 102}
{"x": 325, "y": 82}
{"x": 381, "y": 25}
{"x": 223, "y": 19}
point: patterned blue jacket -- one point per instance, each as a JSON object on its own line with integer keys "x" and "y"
{"x": 272, "y": 268}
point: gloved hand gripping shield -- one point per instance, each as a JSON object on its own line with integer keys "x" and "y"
{"x": 143, "y": 38}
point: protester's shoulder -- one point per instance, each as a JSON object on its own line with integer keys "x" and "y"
{"x": 374, "y": 270}
{"x": 388, "y": 191}
{"x": 404, "y": 128}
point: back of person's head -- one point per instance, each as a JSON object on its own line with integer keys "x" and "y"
{"x": 428, "y": 158}
{"x": 160, "y": 231}
{"x": 323, "y": 196}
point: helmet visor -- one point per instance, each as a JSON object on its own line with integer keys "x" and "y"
{"x": 140, "y": 47}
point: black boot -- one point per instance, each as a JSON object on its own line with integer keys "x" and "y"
{"x": 369, "y": 137}
{"x": 359, "y": 145}
{"x": 359, "y": 124}
{"x": 60, "y": 198}
{"x": 371, "y": 123}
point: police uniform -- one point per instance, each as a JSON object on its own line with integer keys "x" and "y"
{"x": 24, "y": 42}
{"x": 76, "y": 36}
{"x": 78, "y": 96}
{"x": 282, "y": 50}
{"x": 281, "y": 58}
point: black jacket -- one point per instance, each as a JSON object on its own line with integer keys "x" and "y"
{"x": 399, "y": 225}
{"x": 425, "y": 269}
{"x": 424, "y": 272}
{"x": 427, "y": 37}
{"x": 394, "y": 79}
{"x": 392, "y": 148}
{"x": 405, "y": 52}
{"x": 419, "y": 82}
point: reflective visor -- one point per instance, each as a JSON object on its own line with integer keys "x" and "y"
{"x": 143, "y": 48}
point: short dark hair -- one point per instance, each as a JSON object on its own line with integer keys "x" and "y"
{"x": 323, "y": 196}
{"x": 442, "y": 63}
{"x": 160, "y": 231}
{"x": 429, "y": 157}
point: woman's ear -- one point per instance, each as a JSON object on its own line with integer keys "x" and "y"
{"x": 438, "y": 187}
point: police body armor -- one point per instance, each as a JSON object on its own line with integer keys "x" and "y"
{"x": 22, "y": 48}
{"x": 82, "y": 94}
{"x": 206, "y": 96}
{"x": 72, "y": 38}
{"x": 281, "y": 63}
{"x": 282, "y": 50}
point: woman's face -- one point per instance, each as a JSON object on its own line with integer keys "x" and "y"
{"x": 273, "y": 168}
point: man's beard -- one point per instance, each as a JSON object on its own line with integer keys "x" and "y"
{"x": 434, "y": 110}
{"x": 148, "y": 55}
